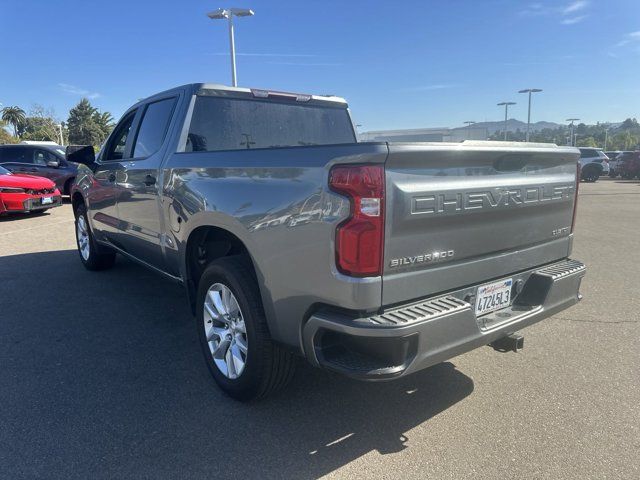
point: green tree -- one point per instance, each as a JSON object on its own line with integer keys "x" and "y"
{"x": 6, "y": 137}
{"x": 104, "y": 120}
{"x": 40, "y": 125}
{"x": 14, "y": 116}
{"x": 83, "y": 129}
{"x": 586, "y": 142}
{"x": 630, "y": 124}
{"x": 625, "y": 140}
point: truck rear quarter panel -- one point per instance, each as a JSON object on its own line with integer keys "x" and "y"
{"x": 277, "y": 202}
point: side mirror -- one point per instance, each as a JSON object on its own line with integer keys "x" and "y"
{"x": 81, "y": 154}
{"x": 53, "y": 163}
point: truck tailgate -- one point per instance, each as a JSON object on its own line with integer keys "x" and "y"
{"x": 466, "y": 213}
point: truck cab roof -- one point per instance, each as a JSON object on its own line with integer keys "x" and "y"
{"x": 218, "y": 89}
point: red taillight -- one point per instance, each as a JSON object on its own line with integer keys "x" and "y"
{"x": 360, "y": 238}
{"x": 575, "y": 201}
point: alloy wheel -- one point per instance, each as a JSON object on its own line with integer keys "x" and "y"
{"x": 225, "y": 330}
{"x": 82, "y": 233}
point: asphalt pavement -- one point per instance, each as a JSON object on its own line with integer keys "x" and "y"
{"x": 101, "y": 376}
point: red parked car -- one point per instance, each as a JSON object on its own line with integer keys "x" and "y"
{"x": 26, "y": 193}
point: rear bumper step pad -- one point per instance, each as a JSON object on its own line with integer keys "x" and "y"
{"x": 408, "y": 338}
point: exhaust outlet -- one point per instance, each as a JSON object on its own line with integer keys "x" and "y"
{"x": 510, "y": 343}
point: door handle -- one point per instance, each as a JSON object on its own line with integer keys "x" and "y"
{"x": 149, "y": 180}
{"x": 112, "y": 177}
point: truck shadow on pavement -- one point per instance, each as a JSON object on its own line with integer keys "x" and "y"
{"x": 25, "y": 217}
{"x": 101, "y": 376}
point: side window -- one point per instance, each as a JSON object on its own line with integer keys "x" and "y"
{"x": 118, "y": 141}
{"x": 41, "y": 157}
{"x": 153, "y": 127}
{"x": 16, "y": 154}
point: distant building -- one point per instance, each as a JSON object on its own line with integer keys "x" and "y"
{"x": 425, "y": 135}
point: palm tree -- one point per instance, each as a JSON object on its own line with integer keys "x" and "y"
{"x": 104, "y": 121}
{"x": 15, "y": 116}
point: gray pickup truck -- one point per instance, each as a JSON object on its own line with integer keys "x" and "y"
{"x": 374, "y": 260}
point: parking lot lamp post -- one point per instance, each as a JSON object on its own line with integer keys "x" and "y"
{"x": 59, "y": 125}
{"x": 529, "y": 91}
{"x": 506, "y": 108}
{"x": 469, "y": 123}
{"x": 229, "y": 13}
{"x": 606, "y": 137}
{"x": 571, "y": 126}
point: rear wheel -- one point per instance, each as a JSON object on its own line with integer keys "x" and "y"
{"x": 91, "y": 256}
{"x": 233, "y": 333}
{"x": 590, "y": 175}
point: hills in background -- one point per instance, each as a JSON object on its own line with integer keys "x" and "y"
{"x": 513, "y": 125}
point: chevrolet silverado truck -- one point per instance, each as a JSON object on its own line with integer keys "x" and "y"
{"x": 291, "y": 238}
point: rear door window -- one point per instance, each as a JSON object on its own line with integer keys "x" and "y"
{"x": 153, "y": 127}
{"x": 16, "y": 155}
{"x": 237, "y": 124}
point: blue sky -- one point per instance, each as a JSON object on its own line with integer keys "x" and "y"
{"x": 400, "y": 64}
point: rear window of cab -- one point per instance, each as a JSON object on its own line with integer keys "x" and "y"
{"x": 221, "y": 123}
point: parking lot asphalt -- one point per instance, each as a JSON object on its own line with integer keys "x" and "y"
{"x": 101, "y": 376}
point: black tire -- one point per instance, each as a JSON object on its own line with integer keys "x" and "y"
{"x": 268, "y": 367}
{"x": 98, "y": 258}
{"x": 590, "y": 175}
{"x": 66, "y": 190}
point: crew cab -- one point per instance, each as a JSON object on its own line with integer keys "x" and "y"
{"x": 374, "y": 260}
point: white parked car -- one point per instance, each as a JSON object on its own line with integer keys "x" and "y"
{"x": 593, "y": 163}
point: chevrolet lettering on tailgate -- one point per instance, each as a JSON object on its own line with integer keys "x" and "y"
{"x": 456, "y": 202}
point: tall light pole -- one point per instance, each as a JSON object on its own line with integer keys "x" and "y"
{"x": 529, "y": 91}
{"x": 606, "y": 137}
{"x": 571, "y": 138}
{"x": 506, "y": 108}
{"x": 229, "y": 13}
{"x": 469, "y": 123}
{"x": 59, "y": 125}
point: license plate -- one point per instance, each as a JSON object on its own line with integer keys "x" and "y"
{"x": 47, "y": 200}
{"x": 493, "y": 296}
